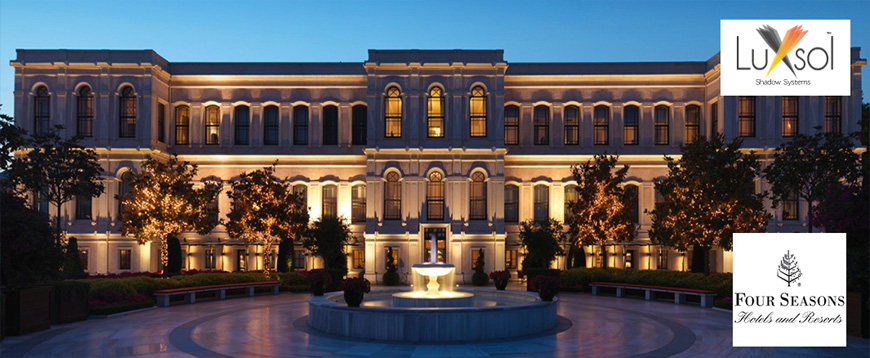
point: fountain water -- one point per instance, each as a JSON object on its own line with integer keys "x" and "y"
{"x": 435, "y": 294}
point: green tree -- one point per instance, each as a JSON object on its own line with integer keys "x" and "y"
{"x": 163, "y": 202}
{"x": 327, "y": 238}
{"x": 72, "y": 264}
{"x": 542, "y": 242}
{"x": 12, "y": 138}
{"x": 807, "y": 166}
{"x": 285, "y": 255}
{"x": 480, "y": 278}
{"x": 60, "y": 167}
{"x": 708, "y": 195}
{"x": 173, "y": 256}
{"x": 28, "y": 254}
{"x": 600, "y": 215}
{"x": 264, "y": 209}
{"x": 391, "y": 276}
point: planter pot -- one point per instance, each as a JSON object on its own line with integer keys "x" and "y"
{"x": 317, "y": 289}
{"x": 69, "y": 306}
{"x": 547, "y": 295}
{"x": 28, "y": 310}
{"x": 501, "y": 286}
{"x": 353, "y": 299}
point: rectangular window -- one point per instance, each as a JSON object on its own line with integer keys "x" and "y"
{"x": 86, "y": 114}
{"x": 790, "y": 207}
{"x": 393, "y": 115}
{"x": 746, "y": 116}
{"x": 330, "y": 200}
{"x": 511, "y": 125}
{"x": 300, "y": 125}
{"x": 714, "y": 118}
{"x": 477, "y": 197}
{"x": 270, "y": 125}
{"x": 631, "y": 118}
{"x": 241, "y": 260}
{"x": 83, "y": 256}
{"x": 395, "y": 256}
{"x": 478, "y": 112}
{"x": 182, "y": 125}
{"x": 210, "y": 259}
{"x": 298, "y": 259}
{"x": 212, "y": 125}
{"x": 359, "y": 258}
{"x": 833, "y": 114}
{"x": 360, "y": 125}
{"x": 161, "y": 123}
{"x": 511, "y": 204}
{"x": 475, "y": 254}
{"x": 40, "y": 202}
{"x": 242, "y": 117}
{"x": 358, "y": 204}
{"x": 572, "y": 125}
{"x": 435, "y": 113}
{"x": 790, "y": 114}
{"x": 693, "y": 123}
{"x": 510, "y": 258}
{"x": 440, "y": 234}
{"x": 629, "y": 259}
{"x": 663, "y": 259}
{"x": 435, "y": 197}
{"x": 602, "y": 125}
{"x": 662, "y": 125}
{"x": 392, "y": 197}
{"x": 570, "y": 198}
{"x": 542, "y": 203}
{"x": 124, "y": 256}
{"x": 214, "y": 206}
{"x": 83, "y": 208}
{"x": 330, "y": 125}
{"x": 542, "y": 125}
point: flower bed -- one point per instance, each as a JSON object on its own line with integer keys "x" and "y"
{"x": 578, "y": 280}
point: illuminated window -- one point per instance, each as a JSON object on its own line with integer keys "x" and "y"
{"x": 83, "y": 255}
{"x": 212, "y": 125}
{"x": 392, "y": 197}
{"x": 440, "y": 235}
{"x": 435, "y": 197}
{"x": 214, "y": 210}
{"x": 123, "y": 189}
{"x": 358, "y": 203}
{"x": 393, "y": 113}
{"x": 790, "y": 206}
{"x": 663, "y": 259}
{"x": 359, "y": 258}
{"x": 511, "y": 125}
{"x": 242, "y": 117}
{"x": 360, "y": 125}
{"x": 633, "y": 203}
{"x": 435, "y": 113}
{"x": 128, "y": 112}
{"x": 475, "y": 254}
{"x": 84, "y": 205}
{"x": 210, "y": 259}
{"x": 477, "y": 105}
{"x": 714, "y": 118}
{"x": 572, "y": 125}
{"x": 662, "y": 125}
{"x": 477, "y": 196}
{"x": 833, "y": 114}
{"x": 790, "y": 112}
{"x": 511, "y": 203}
{"x": 570, "y": 198}
{"x": 395, "y": 255}
{"x": 182, "y": 125}
{"x": 330, "y": 200}
{"x": 746, "y": 116}
{"x": 601, "y": 122}
{"x": 693, "y": 123}
{"x": 124, "y": 256}
{"x": 41, "y": 110}
{"x": 241, "y": 260}
{"x": 542, "y": 125}
{"x": 270, "y": 125}
{"x": 542, "y": 203}
{"x": 161, "y": 123}
{"x": 302, "y": 191}
{"x": 630, "y": 119}
{"x": 298, "y": 259}
{"x": 629, "y": 259}
{"x": 300, "y": 125}
{"x": 510, "y": 258}
{"x": 85, "y": 112}
{"x": 330, "y": 125}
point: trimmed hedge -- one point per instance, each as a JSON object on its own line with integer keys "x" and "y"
{"x": 293, "y": 282}
{"x": 578, "y": 280}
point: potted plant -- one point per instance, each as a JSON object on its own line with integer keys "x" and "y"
{"x": 500, "y": 279}
{"x": 547, "y": 286}
{"x": 479, "y": 277}
{"x": 318, "y": 279}
{"x": 355, "y": 290}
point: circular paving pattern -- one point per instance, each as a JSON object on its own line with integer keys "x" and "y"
{"x": 275, "y": 326}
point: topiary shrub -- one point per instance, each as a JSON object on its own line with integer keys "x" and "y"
{"x": 72, "y": 264}
{"x": 391, "y": 277}
{"x": 285, "y": 255}
{"x": 479, "y": 278}
{"x": 173, "y": 247}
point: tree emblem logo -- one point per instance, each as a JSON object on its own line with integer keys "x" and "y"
{"x": 788, "y": 269}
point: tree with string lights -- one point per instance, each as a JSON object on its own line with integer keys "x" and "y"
{"x": 600, "y": 215}
{"x": 708, "y": 195}
{"x": 264, "y": 209}
{"x": 163, "y": 201}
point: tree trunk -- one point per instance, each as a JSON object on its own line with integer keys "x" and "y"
{"x": 706, "y": 259}
{"x": 809, "y": 216}
{"x": 267, "y": 255}
{"x": 57, "y": 225}
{"x": 164, "y": 255}
{"x": 604, "y": 256}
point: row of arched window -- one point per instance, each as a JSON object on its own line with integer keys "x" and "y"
{"x": 127, "y": 112}
{"x": 541, "y": 202}
{"x": 435, "y": 112}
{"x": 601, "y": 124}
{"x": 435, "y": 204}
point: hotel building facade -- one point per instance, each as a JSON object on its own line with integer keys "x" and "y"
{"x": 459, "y": 145}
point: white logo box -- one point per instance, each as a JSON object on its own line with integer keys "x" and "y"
{"x": 820, "y": 60}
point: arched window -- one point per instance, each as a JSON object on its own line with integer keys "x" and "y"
{"x": 477, "y": 197}
{"x": 212, "y": 125}
{"x": 693, "y": 123}
{"x": 85, "y": 112}
{"x": 511, "y": 125}
{"x": 330, "y": 200}
{"x": 330, "y": 125}
{"x": 360, "y": 125}
{"x": 393, "y": 113}
{"x": 300, "y": 125}
{"x": 633, "y": 203}
{"x": 435, "y": 113}
{"x": 392, "y": 197}
{"x": 358, "y": 203}
{"x": 128, "y": 112}
{"x": 511, "y": 203}
{"x": 477, "y": 110}
{"x": 435, "y": 197}
{"x": 41, "y": 110}
{"x": 302, "y": 191}
{"x": 572, "y": 125}
{"x": 123, "y": 189}
{"x": 630, "y": 119}
{"x": 542, "y": 125}
{"x": 662, "y": 122}
{"x": 601, "y": 121}
{"x": 542, "y": 203}
{"x": 242, "y": 118}
{"x": 182, "y": 125}
{"x": 570, "y": 198}
{"x": 270, "y": 125}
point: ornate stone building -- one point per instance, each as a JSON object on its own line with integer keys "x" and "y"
{"x": 410, "y": 144}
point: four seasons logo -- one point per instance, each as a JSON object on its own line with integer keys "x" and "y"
{"x": 788, "y": 269}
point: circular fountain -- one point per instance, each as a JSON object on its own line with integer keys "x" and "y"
{"x": 433, "y": 311}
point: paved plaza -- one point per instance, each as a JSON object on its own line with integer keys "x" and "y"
{"x": 264, "y": 326}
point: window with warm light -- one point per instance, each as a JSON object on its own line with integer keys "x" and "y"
{"x": 360, "y": 125}
{"x": 542, "y": 203}
{"x": 41, "y": 110}
{"x": 300, "y": 125}
{"x": 330, "y": 200}
{"x": 542, "y": 125}
{"x": 123, "y": 189}
{"x": 511, "y": 125}
{"x": 210, "y": 259}
{"x": 212, "y": 125}
{"x": 833, "y": 114}
{"x": 85, "y": 112}
{"x": 83, "y": 255}
{"x": 395, "y": 255}
{"x": 572, "y": 125}
{"x": 359, "y": 258}
{"x": 601, "y": 122}
{"x": 633, "y": 202}
{"x": 435, "y": 112}
{"x": 393, "y": 113}
{"x": 330, "y": 125}
{"x": 127, "y": 112}
{"x": 392, "y": 197}
{"x": 510, "y": 258}
{"x": 790, "y": 114}
{"x": 511, "y": 203}
{"x": 475, "y": 254}
{"x": 790, "y": 206}
{"x": 302, "y": 191}
{"x": 241, "y": 260}
{"x": 477, "y": 197}
{"x": 358, "y": 203}
{"x": 746, "y": 116}
{"x": 693, "y": 123}
{"x": 662, "y": 125}
{"x": 242, "y": 119}
{"x": 84, "y": 208}
{"x": 663, "y": 259}
{"x": 124, "y": 258}
{"x": 477, "y": 110}
{"x": 270, "y": 125}
{"x": 435, "y": 197}
{"x": 182, "y": 125}
{"x": 570, "y": 198}
{"x": 630, "y": 120}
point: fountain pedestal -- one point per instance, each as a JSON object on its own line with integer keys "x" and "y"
{"x": 433, "y": 294}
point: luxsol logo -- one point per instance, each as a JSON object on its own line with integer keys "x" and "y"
{"x": 815, "y": 59}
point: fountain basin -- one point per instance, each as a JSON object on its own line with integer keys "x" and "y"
{"x": 425, "y": 299}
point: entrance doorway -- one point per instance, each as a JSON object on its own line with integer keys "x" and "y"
{"x": 440, "y": 234}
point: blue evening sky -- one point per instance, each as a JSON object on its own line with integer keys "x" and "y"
{"x": 292, "y": 31}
